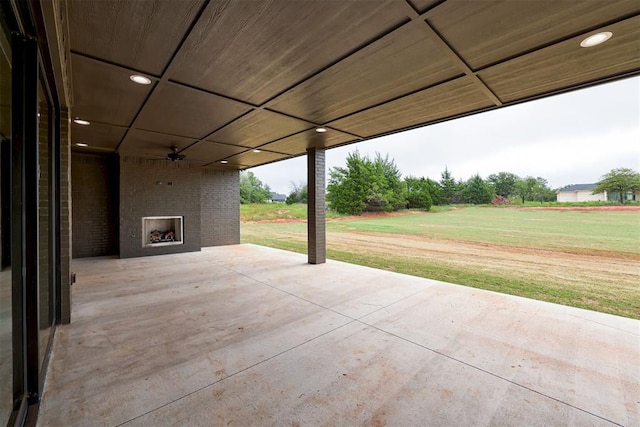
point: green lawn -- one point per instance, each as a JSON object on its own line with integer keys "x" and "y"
{"x": 587, "y": 259}
{"x": 572, "y": 231}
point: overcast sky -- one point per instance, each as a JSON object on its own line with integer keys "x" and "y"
{"x": 573, "y": 138}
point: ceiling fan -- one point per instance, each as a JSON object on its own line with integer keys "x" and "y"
{"x": 174, "y": 156}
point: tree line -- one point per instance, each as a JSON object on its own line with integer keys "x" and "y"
{"x": 367, "y": 184}
{"x": 376, "y": 184}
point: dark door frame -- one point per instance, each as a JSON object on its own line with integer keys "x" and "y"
{"x": 30, "y": 67}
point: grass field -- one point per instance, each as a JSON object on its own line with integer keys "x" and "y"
{"x": 587, "y": 259}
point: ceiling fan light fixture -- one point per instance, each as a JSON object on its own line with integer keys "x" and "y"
{"x": 141, "y": 80}
{"x": 224, "y": 162}
{"x": 174, "y": 156}
{"x": 79, "y": 121}
{"x": 321, "y": 130}
{"x": 596, "y": 39}
{"x": 257, "y": 150}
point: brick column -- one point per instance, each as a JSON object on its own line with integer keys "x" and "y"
{"x": 316, "y": 226}
{"x": 220, "y": 205}
{"x": 65, "y": 216}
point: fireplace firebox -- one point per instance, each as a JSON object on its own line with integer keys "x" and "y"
{"x": 162, "y": 231}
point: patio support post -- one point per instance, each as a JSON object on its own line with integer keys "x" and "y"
{"x": 316, "y": 227}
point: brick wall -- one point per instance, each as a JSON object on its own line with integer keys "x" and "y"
{"x": 95, "y": 205}
{"x": 220, "y": 207}
{"x": 65, "y": 217}
{"x": 209, "y": 200}
{"x": 158, "y": 188}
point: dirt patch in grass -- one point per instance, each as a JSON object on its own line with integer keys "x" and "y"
{"x": 610, "y": 267}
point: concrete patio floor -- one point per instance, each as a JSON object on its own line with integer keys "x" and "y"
{"x": 245, "y": 335}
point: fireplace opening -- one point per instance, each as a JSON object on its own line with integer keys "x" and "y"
{"x": 162, "y": 231}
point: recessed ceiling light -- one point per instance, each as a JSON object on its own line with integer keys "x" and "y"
{"x": 224, "y": 162}
{"x": 82, "y": 144}
{"x": 596, "y": 39}
{"x": 257, "y": 150}
{"x": 141, "y": 80}
{"x": 321, "y": 130}
{"x": 79, "y": 121}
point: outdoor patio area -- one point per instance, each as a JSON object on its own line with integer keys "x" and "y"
{"x": 245, "y": 335}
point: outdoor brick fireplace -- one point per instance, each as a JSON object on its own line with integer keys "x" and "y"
{"x": 162, "y": 231}
{"x": 201, "y": 207}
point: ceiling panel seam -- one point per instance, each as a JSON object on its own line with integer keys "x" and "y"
{"x": 217, "y": 161}
{"x": 210, "y": 134}
{"x": 429, "y": 9}
{"x": 412, "y": 13}
{"x": 404, "y": 95}
{"x": 250, "y": 150}
{"x": 132, "y": 123}
{"x": 121, "y": 67}
{"x": 164, "y": 77}
{"x": 558, "y": 41}
{"x": 242, "y": 167}
{"x": 283, "y": 137}
{"x": 337, "y": 61}
{"x": 208, "y": 92}
{"x": 187, "y": 33}
{"x": 356, "y": 137}
{"x": 231, "y": 157}
{"x": 108, "y": 124}
{"x": 291, "y": 116}
{"x": 446, "y": 47}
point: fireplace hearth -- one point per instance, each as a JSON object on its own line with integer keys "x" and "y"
{"x": 162, "y": 231}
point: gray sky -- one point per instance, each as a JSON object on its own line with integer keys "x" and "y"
{"x": 568, "y": 139}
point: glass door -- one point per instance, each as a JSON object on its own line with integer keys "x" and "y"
{"x": 6, "y": 342}
{"x": 45, "y": 283}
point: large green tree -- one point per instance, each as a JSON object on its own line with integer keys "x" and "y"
{"x": 418, "y": 193}
{"x": 620, "y": 181}
{"x": 525, "y": 188}
{"x": 252, "y": 190}
{"x": 435, "y": 191}
{"x": 477, "y": 191}
{"x": 504, "y": 183}
{"x": 542, "y": 191}
{"x": 365, "y": 185}
{"x": 347, "y": 188}
{"x": 534, "y": 189}
{"x": 387, "y": 189}
{"x": 451, "y": 189}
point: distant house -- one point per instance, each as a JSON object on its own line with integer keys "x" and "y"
{"x": 580, "y": 193}
{"x": 277, "y": 197}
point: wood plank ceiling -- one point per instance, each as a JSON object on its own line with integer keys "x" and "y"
{"x": 247, "y": 82}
